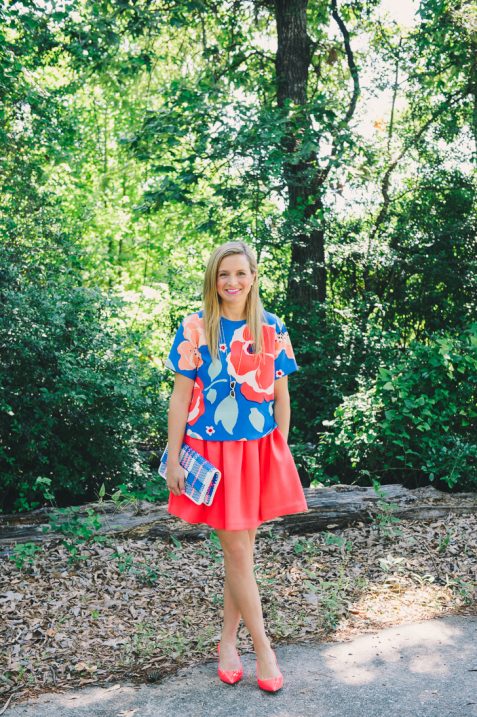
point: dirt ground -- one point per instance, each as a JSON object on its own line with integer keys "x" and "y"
{"x": 139, "y": 610}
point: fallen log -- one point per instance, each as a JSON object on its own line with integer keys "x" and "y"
{"x": 331, "y": 507}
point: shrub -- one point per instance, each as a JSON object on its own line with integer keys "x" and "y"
{"x": 415, "y": 421}
{"x": 76, "y": 396}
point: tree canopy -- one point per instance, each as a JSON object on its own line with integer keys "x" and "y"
{"x": 136, "y": 136}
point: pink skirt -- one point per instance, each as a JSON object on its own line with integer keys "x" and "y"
{"x": 259, "y": 482}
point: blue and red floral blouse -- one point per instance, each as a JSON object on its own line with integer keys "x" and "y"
{"x": 215, "y": 412}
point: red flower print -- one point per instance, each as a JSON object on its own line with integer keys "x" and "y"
{"x": 282, "y": 342}
{"x": 254, "y": 373}
{"x": 190, "y": 357}
{"x": 194, "y": 335}
{"x": 196, "y": 406}
{"x": 194, "y": 330}
{"x": 209, "y": 430}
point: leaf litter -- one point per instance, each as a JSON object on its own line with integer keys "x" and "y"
{"x": 138, "y": 610}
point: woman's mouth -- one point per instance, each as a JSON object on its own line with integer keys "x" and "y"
{"x": 232, "y": 291}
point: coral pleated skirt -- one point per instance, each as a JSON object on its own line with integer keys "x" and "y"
{"x": 259, "y": 482}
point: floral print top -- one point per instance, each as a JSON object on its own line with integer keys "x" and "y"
{"x": 215, "y": 414}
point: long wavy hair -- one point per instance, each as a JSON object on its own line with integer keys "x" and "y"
{"x": 212, "y": 302}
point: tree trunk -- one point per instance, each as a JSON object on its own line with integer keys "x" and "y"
{"x": 307, "y": 277}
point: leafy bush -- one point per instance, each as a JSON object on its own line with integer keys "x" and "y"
{"x": 334, "y": 347}
{"x": 329, "y": 353}
{"x": 76, "y": 395}
{"x": 415, "y": 421}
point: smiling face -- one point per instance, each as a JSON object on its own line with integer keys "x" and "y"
{"x": 234, "y": 280}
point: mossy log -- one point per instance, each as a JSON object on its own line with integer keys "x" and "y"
{"x": 329, "y": 508}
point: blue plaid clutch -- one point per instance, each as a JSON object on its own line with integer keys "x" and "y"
{"x": 201, "y": 479}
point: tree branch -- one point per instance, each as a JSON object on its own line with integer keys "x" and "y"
{"x": 351, "y": 63}
{"x": 447, "y": 104}
{"x": 321, "y": 176}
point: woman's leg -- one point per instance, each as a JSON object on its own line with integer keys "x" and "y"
{"x": 244, "y": 591}
{"x": 228, "y": 654}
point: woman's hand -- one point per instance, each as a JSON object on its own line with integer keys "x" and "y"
{"x": 175, "y": 478}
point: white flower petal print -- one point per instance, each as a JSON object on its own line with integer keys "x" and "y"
{"x": 215, "y": 368}
{"x": 256, "y": 419}
{"x": 211, "y": 395}
{"x": 227, "y": 413}
{"x": 192, "y": 433}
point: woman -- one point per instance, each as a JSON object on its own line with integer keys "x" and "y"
{"x": 230, "y": 403}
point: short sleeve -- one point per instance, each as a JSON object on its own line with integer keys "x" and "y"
{"x": 285, "y": 362}
{"x": 184, "y": 356}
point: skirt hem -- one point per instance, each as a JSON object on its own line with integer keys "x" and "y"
{"x": 290, "y": 510}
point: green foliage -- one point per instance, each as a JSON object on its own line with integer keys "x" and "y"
{"x": 415, "y": 421}
{"x": 383, "y": 514}
{"x": 23, "y": 555}
{"x": 77, "y": 530}
{"x": 430, "y": 273}
{"x": 134, "y": 137}
{"x": 76, "y": 395}
{"x": 332, "y": 345}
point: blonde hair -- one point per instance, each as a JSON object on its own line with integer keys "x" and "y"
{"x": 254, "y": 311}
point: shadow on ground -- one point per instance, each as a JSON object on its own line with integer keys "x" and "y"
{"x": 424, "y": 669}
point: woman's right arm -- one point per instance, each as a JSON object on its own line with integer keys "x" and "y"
{"x": 176, "y": 423}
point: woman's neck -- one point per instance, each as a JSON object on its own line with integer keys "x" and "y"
{"x": 233, "y": 315}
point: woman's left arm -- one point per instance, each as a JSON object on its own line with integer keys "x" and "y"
{"x": 281, "y": 409}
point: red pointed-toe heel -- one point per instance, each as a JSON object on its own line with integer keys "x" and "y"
{"x": 229, "y": 676}
{"x": 273, "y": 684}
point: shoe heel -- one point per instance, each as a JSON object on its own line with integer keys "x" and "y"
{"x": 273, "y": 684}
{"x": 229, "y": 676}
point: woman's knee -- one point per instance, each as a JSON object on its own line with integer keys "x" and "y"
{"x": 235, "y": 545}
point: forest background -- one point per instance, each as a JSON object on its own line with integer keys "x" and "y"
{"x": 136, "y": 136}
